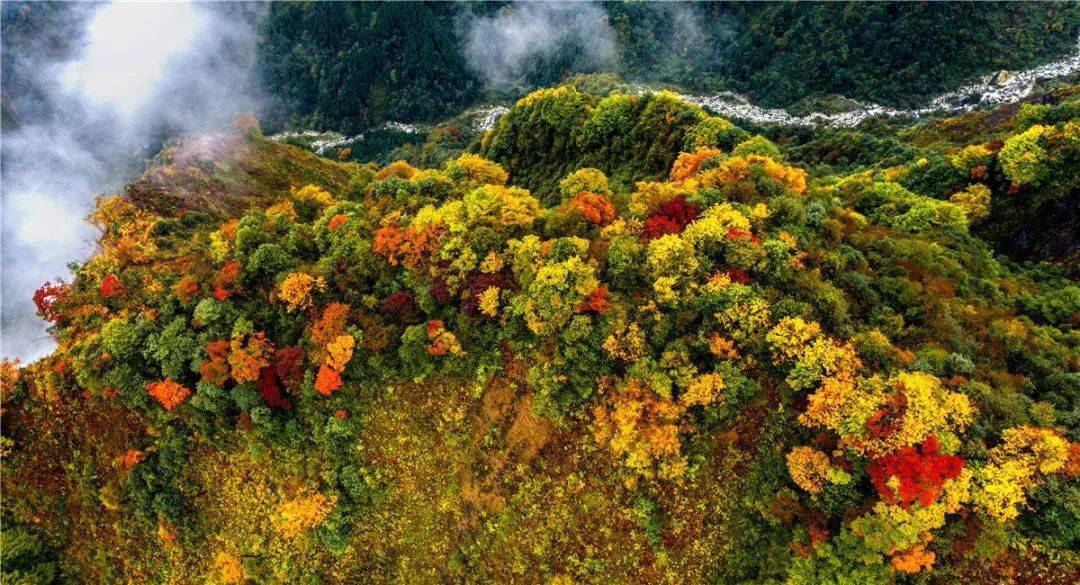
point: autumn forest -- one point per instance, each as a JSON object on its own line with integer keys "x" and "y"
{"x": 614, "y": 337}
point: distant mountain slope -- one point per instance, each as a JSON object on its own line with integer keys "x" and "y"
{"x": 893, "y": 53}
{"x": 224, "y": 174}
{"x": 349, "y": 67}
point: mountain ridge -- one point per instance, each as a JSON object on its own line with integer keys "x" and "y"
{"x": 624, "y": 339}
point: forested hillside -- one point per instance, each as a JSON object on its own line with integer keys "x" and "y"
{"x": 1030, "y": 214}
{"x": 619, "y": 340}
{"x": 607, "y": 336}
{"x": 891, "y": 53}
{"x": 347, "y": 67}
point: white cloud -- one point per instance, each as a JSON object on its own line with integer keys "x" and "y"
{"x": 128, "y": 49}
{"x": 138, "y": 72}
{"x": 499, "y": 47}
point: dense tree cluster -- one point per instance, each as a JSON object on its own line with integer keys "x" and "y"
{"x": 349, "y": 67}
{"x": 888, "y": 52}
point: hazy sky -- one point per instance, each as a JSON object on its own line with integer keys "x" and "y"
{"x": 138, "y": 71}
